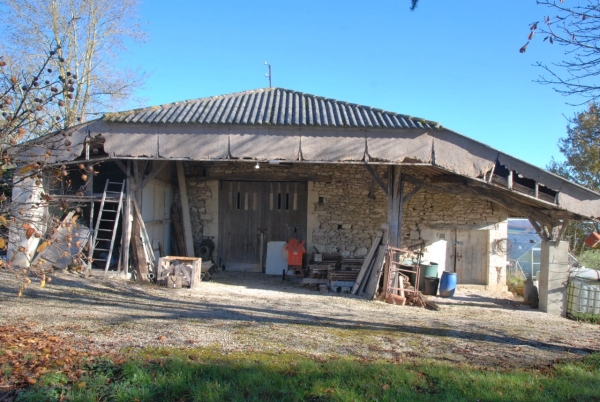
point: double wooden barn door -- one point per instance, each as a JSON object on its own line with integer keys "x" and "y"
{"x": 254, "y": 213}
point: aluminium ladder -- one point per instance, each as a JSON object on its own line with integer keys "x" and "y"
{"x": 103, "y": 237}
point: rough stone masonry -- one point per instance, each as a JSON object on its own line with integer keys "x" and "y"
{"x": 344, "y": 214}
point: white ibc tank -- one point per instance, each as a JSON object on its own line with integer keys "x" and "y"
{"x": 583, "y": 296}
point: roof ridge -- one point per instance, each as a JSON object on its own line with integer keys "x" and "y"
{"x": 362, "y": 115}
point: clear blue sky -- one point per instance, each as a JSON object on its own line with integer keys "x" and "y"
{"x": 454, "y": 62}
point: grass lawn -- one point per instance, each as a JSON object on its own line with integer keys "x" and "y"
{"x": 212, "y": 375}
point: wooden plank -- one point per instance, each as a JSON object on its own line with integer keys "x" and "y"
{"x": 309, "y": 281}
{"x": 136, "y": 184}
{"x": 400, "y": 211}
{"x": 472, "y": 262}
{"x": 365, "y": 282}
{"x": 395, "y": 194}
{"x": 366, "y": 264}
{"x": 138, "y": 214}
{"x": 141, "y": 262}
{"x": 196, "y": 273}
{"x": 177, "y": 230}
{"x": 185, "y": 207}
{"x": 371, "y": 289}
{"x": 126, "y": 226}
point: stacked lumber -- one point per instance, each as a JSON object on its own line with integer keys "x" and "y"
{"x": 342, "y": 275}
{"x": 369, "y": 276}
{"x": 351, "y": 264}
{"x": 319, "y": 270}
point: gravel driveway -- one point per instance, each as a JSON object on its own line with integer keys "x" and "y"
{"x": 254, "y": 312}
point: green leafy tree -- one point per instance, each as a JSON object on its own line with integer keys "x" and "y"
{"x": 581, "y": 149}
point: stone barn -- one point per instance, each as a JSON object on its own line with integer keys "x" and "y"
{"x": 270, "y": 164}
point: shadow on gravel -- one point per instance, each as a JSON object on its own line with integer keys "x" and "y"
{"x": 481, "y": 301}
{"x": 126, "y": 300}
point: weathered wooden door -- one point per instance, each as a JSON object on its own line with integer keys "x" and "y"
{"x": 472, "y": 257}
{"x": 254, "y": 213}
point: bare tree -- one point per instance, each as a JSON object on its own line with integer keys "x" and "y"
{"x": 576, "y": 27}
{"x": 90, "y": 34}
{"x": 33, "y": 104}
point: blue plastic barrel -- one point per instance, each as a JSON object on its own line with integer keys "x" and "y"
{"x": 448, "y": 284}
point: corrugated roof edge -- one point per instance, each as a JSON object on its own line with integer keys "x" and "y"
{"x": 116, "y": 116}
{"x": 112, "y": 118}
{"x": 545, "y": 171}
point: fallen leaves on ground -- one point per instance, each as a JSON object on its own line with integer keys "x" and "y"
{"x": 26, "y": 355}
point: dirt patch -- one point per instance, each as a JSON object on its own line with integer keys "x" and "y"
{"x": 243, "y": 311}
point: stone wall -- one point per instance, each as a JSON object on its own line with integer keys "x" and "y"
{"x": 344, "y": 214}
{"x": 430, "y": 209}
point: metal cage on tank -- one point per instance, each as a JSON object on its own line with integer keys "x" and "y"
{"x": 583, "y": 298}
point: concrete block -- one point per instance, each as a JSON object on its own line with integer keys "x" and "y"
{"x": 554, "y": 273}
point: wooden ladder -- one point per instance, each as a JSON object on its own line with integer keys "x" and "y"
{"x": 106, "y": 214}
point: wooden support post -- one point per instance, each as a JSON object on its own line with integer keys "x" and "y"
{"x": 509, "y": 180}
{"x": 126, "y": 228}
{"x": 138, "y": 251}
{"x": 400, "y": 211}
{"x": 138, "y": 176}
{"x": 394, "y": 205}
{"x": 536, "y": 190}
{"x": 138, "y": 215}
{"x": 185, "y": 211}
{"x": 90, "y": 244}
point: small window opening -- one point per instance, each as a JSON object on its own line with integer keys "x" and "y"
{"x": 278, "y": 200}
{"x": 339, "y": 227}
{"x": 238, "y": 203}
{"x": 321, "y": 200}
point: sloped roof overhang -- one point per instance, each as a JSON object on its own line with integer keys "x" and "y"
{"x": 308, "y": 129}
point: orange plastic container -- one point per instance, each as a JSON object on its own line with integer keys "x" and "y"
{"x": 593, "y": 239}
{"x": 295, "y": 251}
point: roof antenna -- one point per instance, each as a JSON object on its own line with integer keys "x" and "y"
{"x": 268, "y": 75}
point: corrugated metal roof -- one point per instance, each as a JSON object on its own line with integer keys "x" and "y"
{"x": 271, "y": 106}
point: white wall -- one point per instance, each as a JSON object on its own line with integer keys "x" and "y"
{"x": 157, "y": 198}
